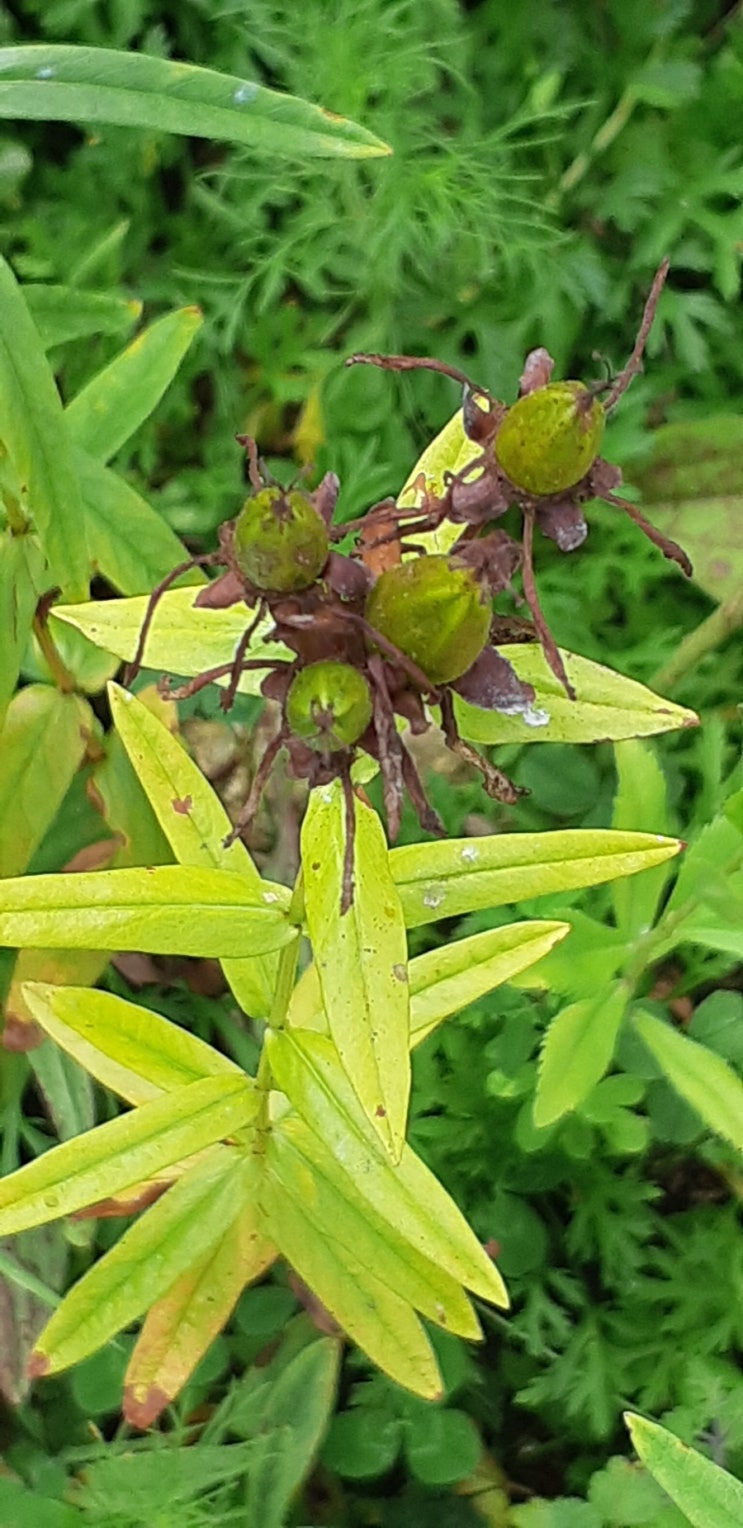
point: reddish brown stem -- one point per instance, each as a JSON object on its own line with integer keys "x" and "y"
{"x": 256, "y": 790}
{"x": 634, "y": 363}
{"x": 670, "y": 549}
{"x": 206, "y": 558}
{"x": 415, "y": 363}
{"x": 549, "y": 645}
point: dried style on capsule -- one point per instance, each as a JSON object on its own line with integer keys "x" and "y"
{"x": 541, "y": 455}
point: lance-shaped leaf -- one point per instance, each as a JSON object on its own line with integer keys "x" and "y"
{"x": 163, "y": 909}
{"x": 447, "y": 879}
{"x": 289, "y": 1430}
{"x": 607, "y": 705}
{"x": 143, "y": 1265}
{"x": 42, "y": 744}
{"x": 131, "y": 1050}
{"x": 365, "y": 1237}
{"x": 640, "y": 803}
{"x": 181, "y": 640}
{"x": 129, "y": 543}
{"x": 195, "y": 823}
{"x": 698, "y": 1074}
{"x": 63, "y": 313}
{"x": 708, "y": 1496}
{"x": 447, "y": 979}
{"x": 577, "y": 1051}
{"x": 64, "y": 83}
{"x": 118, "y": 399}
{"x": 384, "y": 1326}
{"x": 125, "y": 1151}
{"x": 36, "y": 438}
{"x": 186, "y": 1319}
{"x": 361, "y": 958}
{"x": 21, "y": 582}
{"x": 306, "y": 1068}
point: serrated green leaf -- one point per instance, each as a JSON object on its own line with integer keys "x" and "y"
{"x": 131, "y": 1050}
{"x": 115, "y": 402}
{"x": 42, "y": 744}
{"x": 21, "y": 582}
{"x": 182, "y": 640}
{"x": 577, "y": 1050}
{"x": 64, "y": 83}
{"x": 461, "y": 875}
{"x": 125, "y": 1151}
{"x": 181, "y": 1325}
{"x": 366, "y": 1237}
{"x": 608, "y": 706}
{"x": 195, "y": 824}
{"x": 361, "y": 958}
{"x": 141, "y": 1267}
{"x": 640, "y": 803}
{"x": 384, "y": 1326}
{"x": 163, "y": 909}
{"x": 591, "y": 959}
{"x": 129, "y": 543}
{"x": 306, "y": 1068}
{"x": 698, "y": 1074}
{"x": 710, "y": 1497}
{"x": 35, "y": 436}
{"x": 63, "y": 313}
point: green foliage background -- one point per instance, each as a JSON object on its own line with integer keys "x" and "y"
{"x": 546, "y": 158}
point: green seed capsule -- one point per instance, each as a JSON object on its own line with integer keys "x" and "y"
{"x": 549, "y": 439}
{"x": 329, "y": 706}
{"x": 280, "y": 543}
{"x": 435, "y": 611}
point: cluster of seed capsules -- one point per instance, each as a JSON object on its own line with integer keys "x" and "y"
{"x": 371, "y": 646}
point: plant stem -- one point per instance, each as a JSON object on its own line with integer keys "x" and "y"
{"x": 64, "y": 680}
{"x": 704, "y": 639}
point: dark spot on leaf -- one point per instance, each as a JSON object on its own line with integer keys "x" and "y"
{"x": 380, "y": 1111}
{"x": 142, "y": 1413}
{"x": 400, "y": 972}
{"x": 182, "y": 807}
{"x": 38, "y": 1365}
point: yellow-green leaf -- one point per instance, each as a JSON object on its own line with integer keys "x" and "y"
{"x": 698, "y": 1074}
{"x": 36, "y": 439}
{"x": 640, "y": 803}
{"x": 118, "y": 399}
{"x": 707, "y": 1495}
{"x": 385, "y": 1326}
{"x": 447, "y": 979}
{"x": 60, "y": 82}
{"x": 195, "y": 824}
{"x": 131, "y": 1050}
{"x": 156, "y": 1250}
{"x": 42, "y": 744}
{"x": 306, "y": 1068}
{"x": 182, "y": 640}
{"x": 447, "y": 879}
{"x": 338, "y": 1208}
{"x": 607, "y": 706}
{"x": 129, "y": 543}
{"x": 183, "y": 1323}
{"x": 577, "y": 1050}
{"x": 62, "y": 313}
{"x": 361, "y": 958}
{"x": 21, "y": 582}
{"x": 164, "y": 909}
{"x": 125, "y": 1151}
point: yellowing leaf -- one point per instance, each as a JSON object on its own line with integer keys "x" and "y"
{"x": 131, "y": 1050}
{"x": 155, "y": 1251}
{"x": 182, "y": 640}
{"x": 577, "y": 1050}
{"x": 707, "y": 1495}
{"x": 447, "y": 879}
{"x": 306, "y": 1068}
{"x": 447, "y": 979}
{"x": 164, "y": 909}
{"x": 361, "y": 958}
{"x": 698, "y": 1074}
{"x": 607, "y": 705}
{"x": 182, "y": 1324}
{"x": 195, "y": 824}
{"x": 125, "y": 1151}
{"x": 384, "y": 1326}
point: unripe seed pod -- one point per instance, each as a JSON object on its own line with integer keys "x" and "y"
{"x": 436, "y": 611}
{"x": 329, "y": 705}
{"x": 549, "y": 438}
{"x": 280, "y": 542}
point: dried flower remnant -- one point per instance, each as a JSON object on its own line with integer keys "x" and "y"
{"x": 540, "y": 454}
